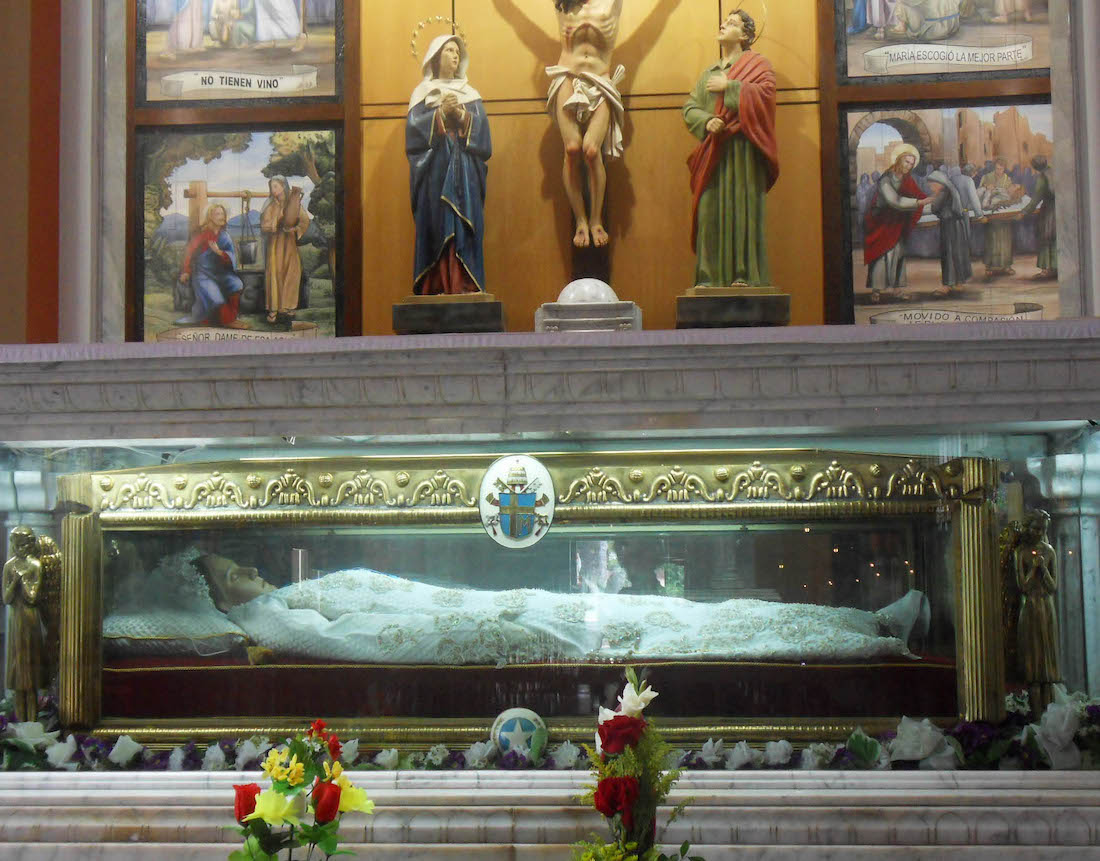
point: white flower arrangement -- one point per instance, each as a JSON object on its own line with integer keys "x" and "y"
{"x": 480, "y": 754}
{"x": 564, "y": 756}
{"x": 777, "y": 753}
{"x": 713, "y": 752}
{"x": 124, "y": 751}
{"x": 60, "y": 754}
{"x": 436, "y": 756}
{"x": 214, "y": 758}
{"x": 744, "y": 756}
{"x": 818, "y": 756}
{"x": 387, "y": 759}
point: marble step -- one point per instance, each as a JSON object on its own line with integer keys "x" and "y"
{"x": 751, "y": 814}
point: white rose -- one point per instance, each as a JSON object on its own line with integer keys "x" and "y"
{"x": 1055, "y": 732}
{"x": 349, "y": 751}
{"x": 943, "y": 758}
{"x": 713, "y": 752}
{"x": 565, "y": 755}
{"x": 632, "y": 702}
{"x": 33, "y": 734}
{"x": 125, "y": 749}
{"x": 480, "y": 754}
{"x": 1059, "y": 724}
{"x": 818, "y": 756}
{"x": 743, "y": 756}
{"x": 777, "y": 752}
{"x": 250, "y": 749}
{"x": 213, "y": 759}
{"x": 387, "y": 759}
{"x": 60, "y": 755}
{"x": 915, "y": 740}
{"x": 175, "y": 759}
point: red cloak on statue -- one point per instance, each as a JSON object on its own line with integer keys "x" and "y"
{"x": 755, "y": 119}
{"x": 885, "y": 228}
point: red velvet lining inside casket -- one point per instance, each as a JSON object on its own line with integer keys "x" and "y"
{"x": 227, "y": 687}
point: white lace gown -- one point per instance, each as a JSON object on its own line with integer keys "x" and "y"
{"x": 365, "y": 616}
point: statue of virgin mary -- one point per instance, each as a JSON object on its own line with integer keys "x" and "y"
{"x": 447, "y": 142}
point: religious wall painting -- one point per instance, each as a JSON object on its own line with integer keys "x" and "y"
{"x": 951, "y": 213}
{"x": 942, "y": 38}
{"x": 240, "y": 235}
{"x": 225, "y": 50}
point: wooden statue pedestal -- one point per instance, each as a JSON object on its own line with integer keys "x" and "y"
{"x": 448, "y": 312}
{"x": 704, "y": 307}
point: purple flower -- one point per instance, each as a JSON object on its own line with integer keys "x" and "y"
{"x": 512, "y": 760}
{"x": 692, "y": 760}
{"x": 844, "y": 759}
{"x": 154, "y": 760}
{"x": 455, "y": 759}
{"x": 973, "y": 735}
{"x": 1093, "y": 713}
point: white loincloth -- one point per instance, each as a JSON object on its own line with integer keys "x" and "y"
{"x": 589, "y": 91}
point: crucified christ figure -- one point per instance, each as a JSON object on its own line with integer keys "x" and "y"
{"x": 585, "y": 103}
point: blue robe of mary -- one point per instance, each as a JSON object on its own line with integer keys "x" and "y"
{"x": 447, "y": 171}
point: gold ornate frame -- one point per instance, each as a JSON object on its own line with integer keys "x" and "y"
{"x": 592, "y": 487}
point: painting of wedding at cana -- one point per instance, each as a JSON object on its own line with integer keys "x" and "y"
{"x": 237, "y": 49}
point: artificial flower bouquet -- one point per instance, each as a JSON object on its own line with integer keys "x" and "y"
{"x": 629, "y": 766}
{"x": 306, "y": 777}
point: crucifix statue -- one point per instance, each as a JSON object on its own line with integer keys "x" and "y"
{"x": 585, "y": 103}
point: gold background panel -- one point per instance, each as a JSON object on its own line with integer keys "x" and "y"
{"x": 660, "y": 42}
{"x": 795, "y": 244}
{"x": 389, "y": 71}
{"x": 789, "y": 40}
{"x": 528, "y": 224}
{"x": 388, "y": 233}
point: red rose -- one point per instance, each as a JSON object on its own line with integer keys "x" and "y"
{"x": 245, "y": 802}
{"x": 334, "y": 747}
{"x": 317, "y": 728}
{"x": 617, "y": 795}
{"x": 621, "y": 732}
{"x": 326, "y": 802}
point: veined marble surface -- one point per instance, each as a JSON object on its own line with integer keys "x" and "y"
{"x": 759, "y": 815}
{"x": 815, "y": 377}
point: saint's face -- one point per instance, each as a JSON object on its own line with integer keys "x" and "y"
{"x": 218, "y": 217}
{"x": 449, "y": 59}
{"x": 277, "y": 190}
{"x": 242, "y": 584}
{"x": 999, "y": 169}
{"x": 732, "y": 30}
{"x": 905, "y": 164}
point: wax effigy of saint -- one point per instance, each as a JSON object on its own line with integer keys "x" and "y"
{"x": 360, "y": 615}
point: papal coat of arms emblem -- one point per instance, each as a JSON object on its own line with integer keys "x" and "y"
{"x": 516, "y": 501}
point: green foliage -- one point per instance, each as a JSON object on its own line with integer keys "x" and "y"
{"x": 171, "y": 150}
{"x": 18, "y": 755}
{"x": 538, "y": 744}
{"x": 646, "y": 763}
{"x": 311, "y": 154}
{"x": 597, "y": 850}
{"x": 681, "y": 854}
{"x": 864, "y": 749}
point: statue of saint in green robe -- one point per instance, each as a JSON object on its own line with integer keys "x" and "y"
{"x": 732, "y": 111}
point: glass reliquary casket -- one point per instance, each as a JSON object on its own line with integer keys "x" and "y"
{"x": 765, "y": 593}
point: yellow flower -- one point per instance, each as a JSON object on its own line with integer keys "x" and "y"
{"x": 275, "y": 809}
{"x": 294, "y": 772}
{"x": 333, "y": 773}
{"x": 352, "y": 798}
{"x": 273, "y": 763}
